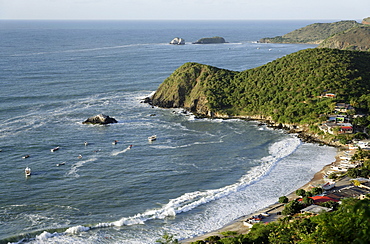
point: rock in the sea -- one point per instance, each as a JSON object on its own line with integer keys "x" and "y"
{"x": 100, "y": 119}
{"x": 177, "y": 41}
{"x": 210, "y": 40}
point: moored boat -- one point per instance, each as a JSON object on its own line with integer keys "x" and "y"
{"x": 152, "y": 138}
{"x": 27, "y": 171}
{"x": 54, "y": 149}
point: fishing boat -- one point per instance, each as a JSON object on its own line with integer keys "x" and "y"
{"x": 54, "y": 149}
{"x": 27, "y": 171}
{"x": 152, "y": 138}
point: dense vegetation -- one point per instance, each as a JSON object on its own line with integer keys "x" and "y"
{"x": 287, "y": 90}
{"x": 349, "y": 224}
{"x": 210, "y": 40}
{"x": 357, "y": 38}
{"x": 314, "y": 33}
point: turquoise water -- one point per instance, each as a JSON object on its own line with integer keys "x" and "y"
{"x": 196, "y": 177}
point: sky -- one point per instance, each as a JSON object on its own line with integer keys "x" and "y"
{"x": 185, "y": 9}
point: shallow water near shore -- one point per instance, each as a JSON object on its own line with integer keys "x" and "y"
{"x": 199, "y": 175}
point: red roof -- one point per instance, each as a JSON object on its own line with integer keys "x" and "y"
{"x": 323, "y": 199}
{"x": 347, "y": 127}
{"x": 319, "y": 199}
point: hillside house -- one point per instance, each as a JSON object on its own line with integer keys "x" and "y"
{"x": 337, "y": 128}
{"x": 331, "y": 95}
{"x": 343, "y": 107}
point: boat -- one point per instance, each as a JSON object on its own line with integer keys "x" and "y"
{"x": 27, "y": 171}
{"x": 328, "y": 185}
{"x": 86, "y": 143}
{"x": 61, "y": 164}
{"x": 26, "y": 156}
{"x": 152, "y": 138}
{"x": 115, "y": 142}
{"x": 54, "y": 149}
{"x": 129, "y": 147}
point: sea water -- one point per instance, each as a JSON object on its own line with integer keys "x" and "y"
{"x": 199, "y": 174}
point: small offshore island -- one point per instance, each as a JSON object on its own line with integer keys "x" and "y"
{"x": 323, "y": 95}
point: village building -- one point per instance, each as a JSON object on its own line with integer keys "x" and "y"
{"x": 343, "y": 107}
{"x": 315, "y": 209}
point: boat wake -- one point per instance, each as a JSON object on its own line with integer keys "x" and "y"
{"x": 75, "y": 168}
{"x": 120, "y": 152}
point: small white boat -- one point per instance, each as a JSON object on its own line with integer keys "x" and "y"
{"x": 26, "y": 156}
{"x": 60, "y": 164}
{"x": 86, "y": 143}
{"x": 327, "y": 186}
{"x": 152, "y": 138}
{"x": 129, "y": 147}
{"x": 115, "y": 142}
{"x": 54, "y": 149}
{"x": 27, "y": 171}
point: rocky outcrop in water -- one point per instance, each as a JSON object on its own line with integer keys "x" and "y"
{"x": 100, "y": 119}
{"x": 178, "y": 41}
{"x": 210, "y": 40}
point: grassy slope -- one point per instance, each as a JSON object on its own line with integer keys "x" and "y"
{"x": 314, "y": 33}
{"x": 357, "y": 38}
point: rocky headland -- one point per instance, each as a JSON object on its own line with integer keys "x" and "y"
{"x": 285, "y": 93}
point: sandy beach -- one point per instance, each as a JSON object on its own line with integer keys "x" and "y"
{"x": 238, "y": 226}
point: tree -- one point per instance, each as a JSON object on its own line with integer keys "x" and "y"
{"x": 292, "y": 207}
{"x": 300, "y": 192}
{"x": 283, "y": 199}
{"x": 316, "y": 191}
{"x": 307, "y": 200}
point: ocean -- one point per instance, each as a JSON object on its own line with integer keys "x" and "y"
{"x": 199, "y": 175}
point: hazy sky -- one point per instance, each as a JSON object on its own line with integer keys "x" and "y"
{"x": 186, "y": 9}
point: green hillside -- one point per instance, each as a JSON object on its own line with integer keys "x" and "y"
{"x": 287, "y": 90}
{"x": 314, "y": 33}
{"x": 357, "y": 38}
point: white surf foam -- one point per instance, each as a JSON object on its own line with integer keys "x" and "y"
{"x": 191, "y": 200}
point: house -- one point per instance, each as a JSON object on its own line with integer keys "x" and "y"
{"x": 350, "y": 192}
{"x": 331, "y": 95}
{"x": 343, "y": 107}
{"x": 315, "y": 209}
{"x": 321, "y": 199}
{"x": 340, "y": 128}
{"x": 345, "y": 128}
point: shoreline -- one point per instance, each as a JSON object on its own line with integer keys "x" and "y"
{"x": 237, "y": 224}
